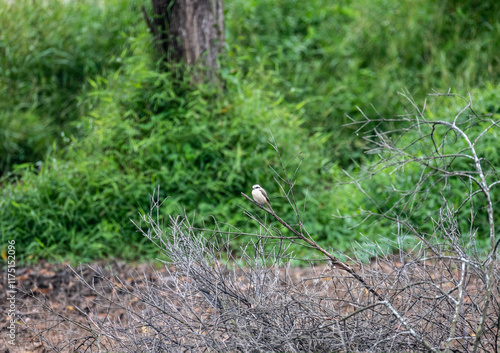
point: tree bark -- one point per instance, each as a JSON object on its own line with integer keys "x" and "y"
{"x": 189, "y": 31}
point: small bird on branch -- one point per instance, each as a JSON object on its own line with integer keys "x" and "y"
{"x": 260, "y": 195}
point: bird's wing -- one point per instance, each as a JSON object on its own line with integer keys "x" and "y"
{"x": 265, "y": 195}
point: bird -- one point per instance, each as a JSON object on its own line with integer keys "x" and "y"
{"x": 260, "y": 195}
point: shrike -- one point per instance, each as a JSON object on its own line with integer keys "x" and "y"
{"x": 260, "y": 195}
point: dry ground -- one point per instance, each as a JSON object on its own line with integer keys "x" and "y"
{"x": 57, "y": 285}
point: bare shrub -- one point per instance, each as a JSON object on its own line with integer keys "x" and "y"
{"x": 436, "y": 293}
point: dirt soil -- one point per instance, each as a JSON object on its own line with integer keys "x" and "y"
{"x": 57, "y": 286}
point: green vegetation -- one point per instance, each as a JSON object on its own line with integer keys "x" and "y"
{"x": 47, "y": 54}
{"x": 90, "y": 126}
{"x": 329, "y": 57}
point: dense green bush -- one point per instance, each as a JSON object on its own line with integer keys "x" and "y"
{"x": 24, "y": 136}
{"x": 329, "y": 57}
{"x": 90, "y": 126}
{"x": 147, "y": 129}
{"x": 47, "y": 53}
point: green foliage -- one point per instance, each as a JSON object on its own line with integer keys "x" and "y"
{"x": 90, "y": 126}
{"x": 24, "y": 136}
{"x": 145, "y": 129}
{"x": 329, "y": 57}
{"x": 47, "y": 53}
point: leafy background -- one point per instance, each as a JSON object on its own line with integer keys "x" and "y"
{"x": 91, "y": 125}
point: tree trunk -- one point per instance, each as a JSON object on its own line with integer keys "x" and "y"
{"x": 189, "y": 31}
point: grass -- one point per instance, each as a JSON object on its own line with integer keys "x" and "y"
{"x": 90, "y": 126}
{"x": 48, "y": 53}
{"x": 329, "y": 58}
